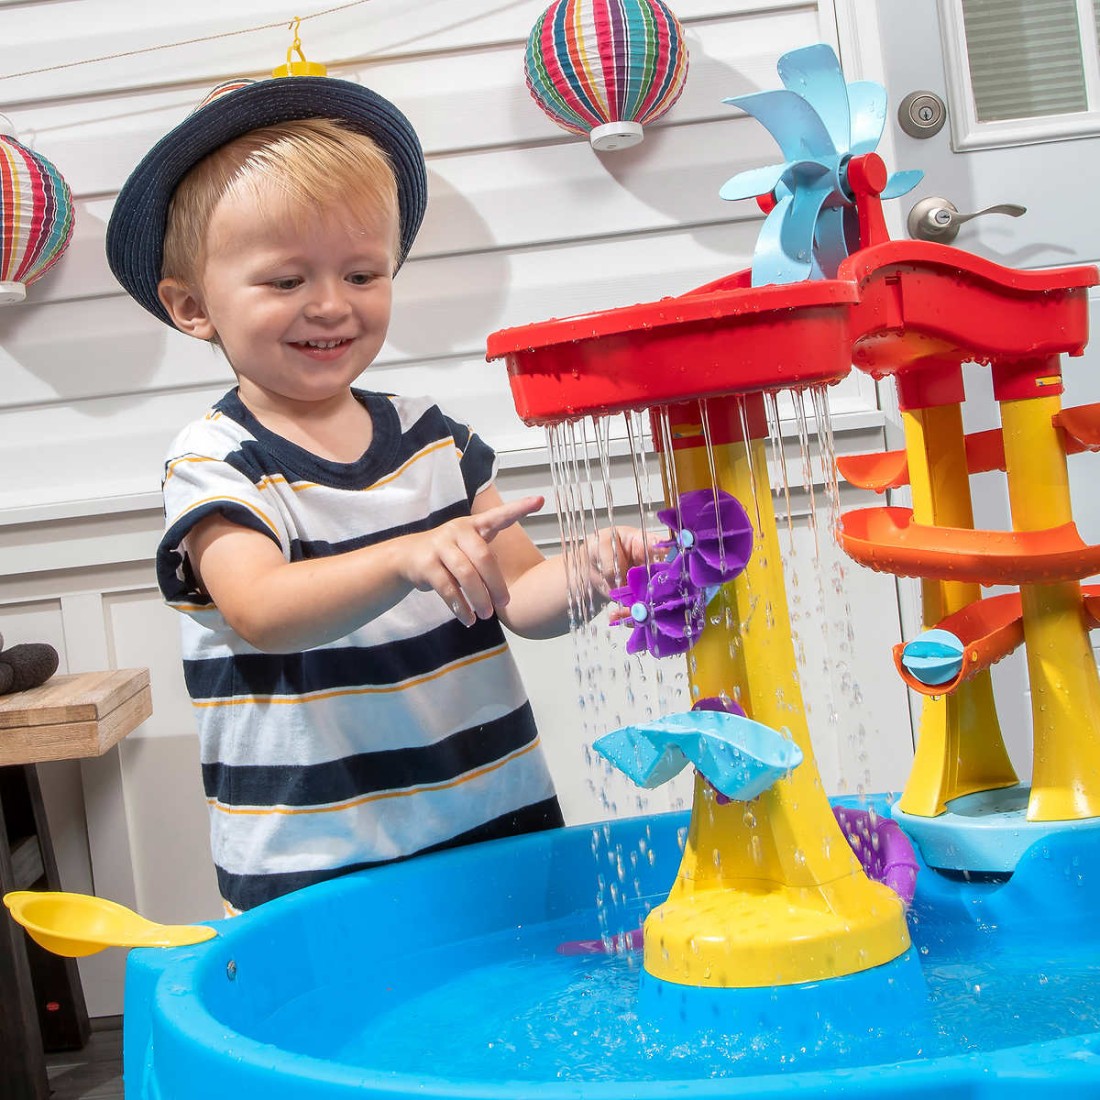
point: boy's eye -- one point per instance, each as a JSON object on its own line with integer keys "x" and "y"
{"x": 289, "y": 283}
{"x": 360, "y": 278}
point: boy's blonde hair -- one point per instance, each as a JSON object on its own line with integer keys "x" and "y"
{"x": 317, "y": 163}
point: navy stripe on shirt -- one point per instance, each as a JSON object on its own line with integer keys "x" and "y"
{"x": 366, "y": 773}
{"x": 170, "y": 562}
{"x": 247, "y": 675}
{"x": 269, "y": 456}
{"x": 318, "y": 548}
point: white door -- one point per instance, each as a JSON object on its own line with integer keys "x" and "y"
{"x": 1021, "y": 83}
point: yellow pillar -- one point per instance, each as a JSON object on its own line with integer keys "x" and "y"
{"x": 960, "y": 748}
{"x": 1065, "y": 688}
{"x": 768, "y": 892}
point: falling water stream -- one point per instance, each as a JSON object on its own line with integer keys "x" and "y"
{"x": 610, "y": 470}
{"x": 607, "y": 471}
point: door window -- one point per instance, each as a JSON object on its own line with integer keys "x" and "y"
{"x": 1020, "y": 71}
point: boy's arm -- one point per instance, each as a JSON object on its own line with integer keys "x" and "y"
{"x": 282, "y": 606}
{"x": 538, "y": 606}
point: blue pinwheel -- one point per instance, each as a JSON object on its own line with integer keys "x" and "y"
{"x": 820, "y": 123}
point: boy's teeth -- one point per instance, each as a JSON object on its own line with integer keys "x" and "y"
{"x": 323, "y": 343}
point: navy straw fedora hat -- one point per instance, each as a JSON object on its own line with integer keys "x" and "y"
{"x": 135, "y": 233}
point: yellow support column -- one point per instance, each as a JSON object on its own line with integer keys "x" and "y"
{"x": 768, "y": 892}
{"x": 960, "y": 748}
{"x": 1065, "y": 688}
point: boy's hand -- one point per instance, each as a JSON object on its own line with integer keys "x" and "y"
{"x": 456, "y": 560}
{"x": 615, "y": 550}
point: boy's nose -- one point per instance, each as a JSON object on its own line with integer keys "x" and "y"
{"x": 327, "y": 301}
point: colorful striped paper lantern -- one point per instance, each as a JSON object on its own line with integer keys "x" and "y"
{"x": 36, "y": 213}
{"x": 606, "y": 67}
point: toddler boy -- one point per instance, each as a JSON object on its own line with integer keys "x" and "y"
{"x": 342, "y": 558}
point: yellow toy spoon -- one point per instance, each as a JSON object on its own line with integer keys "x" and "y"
{"x": 78, "y": 924}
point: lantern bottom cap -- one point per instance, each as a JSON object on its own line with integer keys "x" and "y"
{"x": 10, "y": 293}
{"x": 615, "y": 135}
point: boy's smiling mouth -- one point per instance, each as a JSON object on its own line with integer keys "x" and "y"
{"x": 322, "y": 348}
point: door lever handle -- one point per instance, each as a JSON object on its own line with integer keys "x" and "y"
{"x": 938, "y": 219}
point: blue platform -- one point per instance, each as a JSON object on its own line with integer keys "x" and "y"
{"x": 986, "y": 832}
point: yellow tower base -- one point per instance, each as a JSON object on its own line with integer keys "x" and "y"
{"x": 768, "y": 892}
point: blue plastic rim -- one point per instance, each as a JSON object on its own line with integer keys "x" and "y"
{"x": 211, "y": 1021}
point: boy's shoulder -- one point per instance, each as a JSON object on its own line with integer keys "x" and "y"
{"x": 215, "y": 434}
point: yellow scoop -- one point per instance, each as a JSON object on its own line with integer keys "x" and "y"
{"x": 77, "y": 924}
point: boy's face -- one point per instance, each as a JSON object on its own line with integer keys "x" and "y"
{"x": 299, "y": 302}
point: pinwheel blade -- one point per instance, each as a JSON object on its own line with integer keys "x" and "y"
{"x": 755, "y": 181}
{"x": 831, "y": 240}
{"x": 795, "y": 125}
{"x": 867, "y": 107}
{"x": 901, "y": 182}
{"x": 796, "y": 234}
{"x": 814, "y": 74}
{"x": 769, "y": 263}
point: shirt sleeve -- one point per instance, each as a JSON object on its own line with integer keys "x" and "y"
{"x": 477, "y": 460}
{"x": 196, "y": 486}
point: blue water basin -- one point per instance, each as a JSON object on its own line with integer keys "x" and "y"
{"x": 442, "y": 978}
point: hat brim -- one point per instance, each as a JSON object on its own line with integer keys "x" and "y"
{"x": 135, "y": 232}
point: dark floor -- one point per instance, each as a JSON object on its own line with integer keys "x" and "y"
{"x": 94, "y": 1073}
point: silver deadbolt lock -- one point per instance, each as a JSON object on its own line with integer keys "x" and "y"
{"x": 922, "y": 114}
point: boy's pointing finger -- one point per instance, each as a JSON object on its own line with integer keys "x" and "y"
{"x": 492, "y": 521}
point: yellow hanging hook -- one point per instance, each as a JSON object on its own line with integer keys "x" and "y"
{"x": 302, "y": 67}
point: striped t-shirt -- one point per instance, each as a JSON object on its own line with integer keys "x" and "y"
{"x": 411, "y": 733}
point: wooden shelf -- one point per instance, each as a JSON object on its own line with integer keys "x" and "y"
{"x": 73, "y": 717}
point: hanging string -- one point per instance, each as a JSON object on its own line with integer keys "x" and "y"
{"x": 184, "y": 42}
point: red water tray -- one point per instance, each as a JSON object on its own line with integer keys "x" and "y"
{"x": 725, "y": 338}
{"x": 921, "y": 301}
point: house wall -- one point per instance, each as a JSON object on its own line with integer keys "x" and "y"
{"x": 525, "y": 222}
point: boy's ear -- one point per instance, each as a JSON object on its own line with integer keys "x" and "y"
{"x": 186, "y": 309}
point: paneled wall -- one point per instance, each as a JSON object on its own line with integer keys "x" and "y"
{"x": 525, "y": 222}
